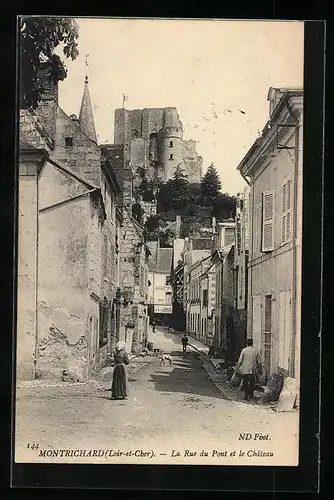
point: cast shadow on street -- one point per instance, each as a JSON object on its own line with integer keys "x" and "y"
{"x": 185, "y": 376}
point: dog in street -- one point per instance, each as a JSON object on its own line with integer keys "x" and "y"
{"x": 165, "y": 358}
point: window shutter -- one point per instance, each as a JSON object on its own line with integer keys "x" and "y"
{"x": 288, "y": 195}
{"x": 258, "y": 226}
{"x": 283, "y": 228}
{"x": 288, "y": 225}
{"x": 286, "y": 211}
{"x": 268, "y": 221}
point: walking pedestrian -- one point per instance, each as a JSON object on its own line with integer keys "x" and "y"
{"x": 248, "y": 366}
{"x": 153, "y": 326}
{"x": 120, "y": 376}
{"x": 184, "y": 341}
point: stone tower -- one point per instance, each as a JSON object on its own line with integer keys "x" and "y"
{"x": 153, "y": 140}
{"x": 170, "y": 141}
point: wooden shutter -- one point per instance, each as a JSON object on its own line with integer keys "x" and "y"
{"x": 286, "y": 211}
{"x": 258, "y": 238}
{"x": 268, "y": 221}
{"x": 283, "y": 235}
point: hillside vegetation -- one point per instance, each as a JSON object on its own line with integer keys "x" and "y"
{"x": 195, "y": 203}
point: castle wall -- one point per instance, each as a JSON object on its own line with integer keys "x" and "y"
{"x": 160, "y": 154}
{"x": 191, "y": 161}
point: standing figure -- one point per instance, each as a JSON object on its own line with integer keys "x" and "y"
{"x": 248, "y": 366}
{"x": 184, "y": 341}
{"x": 120, "y": 376}
{"x": 153, "y": 326}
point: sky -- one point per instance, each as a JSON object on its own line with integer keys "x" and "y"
{"x": 216, "y": 73}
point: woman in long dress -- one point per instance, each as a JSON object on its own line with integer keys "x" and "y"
{"x": 120, "y": 376}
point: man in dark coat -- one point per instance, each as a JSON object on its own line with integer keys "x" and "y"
{"x": 184, "y": 341}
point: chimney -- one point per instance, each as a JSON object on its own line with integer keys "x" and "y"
{"x": 45, "y": 80}
{"x": 47, "y": 107}
{"x": 178, "y": 226}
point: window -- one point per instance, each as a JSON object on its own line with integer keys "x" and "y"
{"x": 286, "y": 211}
{"x": 229, "y": 236}
{"x": 171, "y": 144}
{"x": 168, "y": 297}
{"x": 267, "y": 313}
{"x": 268, "y": 221}
{"x": 68, "y": 141}
{"x": 205, "y": 298}
{"x": 168, "y": 280}
{"x": 171, "y": 156}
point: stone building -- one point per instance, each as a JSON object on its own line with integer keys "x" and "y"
{"x": 70, "y": 196}
{"x": 208, "y": 304}
{"x": 195, "y": 249}
{"x": 178, "y": 315}
{"x": 160, "y": 290}
{"x": 132, "y": 299}
{"x": 154, "y": 140}
{"x": 273, "y": 168}
{"x": 223, "y": 264}
{"x": 241, "y": 254}
{"x": 195, "y": 303}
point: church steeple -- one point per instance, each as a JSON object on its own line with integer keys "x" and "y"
{"x": 86, "y": 113}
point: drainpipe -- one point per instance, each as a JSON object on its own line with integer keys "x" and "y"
{"x": 250, "y": 267}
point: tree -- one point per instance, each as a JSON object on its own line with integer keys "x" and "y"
{"x": 39, "y": 37}
{"x": 210, "y": 185}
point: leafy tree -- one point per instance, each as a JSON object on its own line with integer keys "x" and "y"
{"x": 157, "y": 228}
{"x": 223, "y": 206}
{"x": 210, "y": 185}
{"x": 39, "y": 37}
{"x": 146, "y": 189}
{"x": 174, "y": 194}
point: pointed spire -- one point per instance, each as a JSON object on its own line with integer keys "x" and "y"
{"x": 86, "y": 112}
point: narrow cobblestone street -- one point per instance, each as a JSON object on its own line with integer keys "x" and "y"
{"x": 169, "y": 408}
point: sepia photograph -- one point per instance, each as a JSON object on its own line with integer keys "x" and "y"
{"x": 159, "y": 261}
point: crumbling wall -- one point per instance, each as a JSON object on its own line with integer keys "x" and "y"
{"x": 62, "y": 282}
{"x": 55, "y": 351}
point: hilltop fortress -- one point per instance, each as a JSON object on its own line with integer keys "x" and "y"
{"x": 153, "y": 140}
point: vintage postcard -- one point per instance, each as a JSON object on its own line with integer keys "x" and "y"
{"x": 159, "y": 241}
